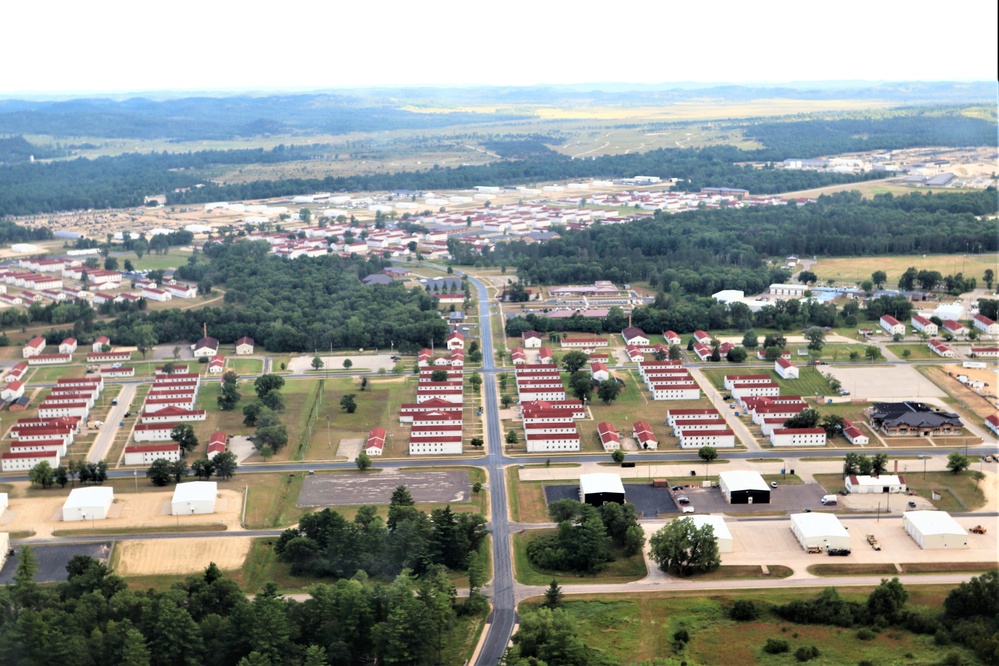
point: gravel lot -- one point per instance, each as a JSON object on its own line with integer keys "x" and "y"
{"x": 357, "y": 489}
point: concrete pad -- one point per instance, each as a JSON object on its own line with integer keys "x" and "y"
{"x": 886, "y": 382}
{"x": 350, "y": 448}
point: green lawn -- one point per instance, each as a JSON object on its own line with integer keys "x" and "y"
{"x": 917, "y": 352}
{"x": 630, "y": 628}
{"x": 49, "y": 374}
{"x": 621, "y": 570}
{"x": 811, "y": 382}
{"x": 246, "y": 366}
{"x": 151, "y": 262}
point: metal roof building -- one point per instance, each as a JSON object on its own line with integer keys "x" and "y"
{"x": 194, "y": 497}
{"x": 934, "y": 530}
{"x": 722, "y": 534}
{"x": 596, "y": 489}
{"x": 88, "y": 503}
{"x": 743, "y": 487}
{"x": 819, "y": 530}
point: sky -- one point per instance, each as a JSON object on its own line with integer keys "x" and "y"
{"x": 110, "y": 46}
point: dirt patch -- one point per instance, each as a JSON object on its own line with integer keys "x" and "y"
{"x": 357, "y": 489}
{"x": 886, "y": 383}
{"x": 975, "y": 402}
{"x": 349, "y": 448}
{"x": 180, "y": 556}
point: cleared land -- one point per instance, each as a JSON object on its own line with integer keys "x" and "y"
{"x": 354, "y": 489}
{"x": 856, "y": 269}
{"x": 179, "y": 556}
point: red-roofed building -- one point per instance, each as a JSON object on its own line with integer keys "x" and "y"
{"x": 376, "y": 442}
{"x": 531, "y": 339}
{"x": 147, "y": 454}
{"x": 546, "y": 356}
{"x": 67, "y": 346}
{"x": 153, "y": 432}
{"x": 217, "y": 443}
{"x": 598, "y": 371}
{"x": 702, "y": 337}
{"x": 798, "y": 437}
{"x": 940, "y": 349}
{"x": 785, "y": 369}
{"x": 853, "y": 434}
{"x": 25, "y": 460}
{"x": 644, "y": 437}
{"x": 671, "y": 337}
{"x": 99, "y": 343}
{"x": 16, "y": 373}
{"x": 984, "y": 352}
{"x": 891, "y": 325}
{"x": 924, "y": 325}
{"x": 955, "y": 328}
{"x": 518, "y": 356}
{"x": 610, "y": 438}
{"x": 34, "y": 347}
{"x": 217, "y": 364}
{"x": 165, "y": 414}
{"x": 985, "y": 325}
{"x": 992, "y": 423}
{"x": 456, "y": 341}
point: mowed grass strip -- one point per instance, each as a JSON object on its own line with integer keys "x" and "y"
{"x": 621, "y": 570}
{"x": 633, "y": 628}
{"x": 811, "y": 382}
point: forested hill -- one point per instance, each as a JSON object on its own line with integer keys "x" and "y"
{"x": 298, "y": 305}
{"x": 710, "y": 250}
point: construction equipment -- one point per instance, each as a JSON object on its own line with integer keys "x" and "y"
{"x": 814, "y": 549}
{"x": 871, "y": 539}
{"x": 978, "y": 529}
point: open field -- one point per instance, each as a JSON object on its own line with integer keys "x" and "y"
{"x": 632, "y": 628}
{"x": 810, "y": 381}
{"x": 856, "y": 269}
{"x": 179, "y": 556}
{"x": 245, "y": 366}
{"x": 917, "y": 352}
{"x": 621, "y": 570}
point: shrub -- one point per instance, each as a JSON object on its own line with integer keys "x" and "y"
{"x": 865, "y": 634}
{"x": 744, "y": 610}
{"x": 681, "y": 636}
{"x": 776, "y": 646}
{"x": 806, "y": 653}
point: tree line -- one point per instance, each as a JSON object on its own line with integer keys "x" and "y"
{"x": 95, "y": 619}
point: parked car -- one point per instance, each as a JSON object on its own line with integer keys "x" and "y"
{"x": 773, "y": 484}
{"x": 683, "y": 499}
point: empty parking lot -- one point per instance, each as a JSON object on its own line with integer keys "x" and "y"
{"x": 353, "y": 489}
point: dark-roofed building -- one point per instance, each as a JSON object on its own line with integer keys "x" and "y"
{"x": 377, "y": 278}
{"x": 913, "y": 419}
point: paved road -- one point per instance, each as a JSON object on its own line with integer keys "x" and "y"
{"x": 108, "y": 432}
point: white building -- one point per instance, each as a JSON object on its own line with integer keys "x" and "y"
{"x": 924, "y": 325}
{"x": 547, "y": 442}
{"x": 934, "y": 530}
{"x": 193, "y": 498}
{"x": 886, "y": 483}
{"x": 719, "y": 439}
{"x": 819, "y": 530}
{"x": 786, "y": 369}
{"x": 891, "y": 325}
{"x": 722, "y": 534}
{"x": 435, "y": 445}
{"x": 18, "y": 461}
{"x": 88, "y": 503}
{"x": 146, "y": 454}
{"x": 596, "y": 489}
{"x": 689, "y": 391}
{"x": 798, "y": 437}
{"x": 985, "y": 325}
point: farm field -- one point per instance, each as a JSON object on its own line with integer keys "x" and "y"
{"x": 856, "y": 269}
{"x": 632, "y": 628}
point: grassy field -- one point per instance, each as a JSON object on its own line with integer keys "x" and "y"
{"x": 917, "y": 352}
{"x": 856, "y": 269}
{"x": 246, "y": 366}
{"x": 631, "y": 628}
{"x": 152, "y": 262}
{"x": 958, "y": 491}
{"x": 621, "y": 570}
{"x": 527, "y": 498}
{"x": 810, "y": 381}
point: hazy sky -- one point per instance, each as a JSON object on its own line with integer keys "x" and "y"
{"x": 109, "y": 45}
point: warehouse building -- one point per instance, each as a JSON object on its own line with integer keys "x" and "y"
{"x": 819, "y": 530}
{"x": 597, "y": 489}
{"x": 88, "y": 504}
{"x": 934, "y": 530}
{"x": 722, "y": 534}
{"x": 744, "y": 488}
{"x": 886, "y": 483}
{"x": 194, "y": 497}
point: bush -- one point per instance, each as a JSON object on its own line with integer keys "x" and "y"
{"x": 806, "y": 653}
{"x": 865, "y": 635}
{"x": 776, "y": 646}
{"x": 744, "y": 610}
{"x": 681, "y": 636}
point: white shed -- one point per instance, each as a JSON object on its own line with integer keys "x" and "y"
{"x": 934, "y": 530}
{"x": 88, "y": 503}
{"x": 819, "y": 530}
{"x": 722, "y": 534}
{"x": 4, "y": 547}
{"x": 195, "y": 497}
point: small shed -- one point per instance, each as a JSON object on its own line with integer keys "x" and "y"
{"x": 722, "y": 534}
{"x": 934, "y": 530}
{"x": 194, "y": 497}
{"x": 886, "y": 483}
{"x": 596, "y": 489}
{"x": 744, "y": 487}
{"x": 88, "y": 504}
{"x": 819, "y": 530}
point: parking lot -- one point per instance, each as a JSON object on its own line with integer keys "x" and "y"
{"x": 355, "y": 489}
{"x": 651, "y": 502}
{"x": 52, "y": 560}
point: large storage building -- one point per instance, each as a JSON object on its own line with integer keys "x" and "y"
{"x": 886, "y": 483}
{"x": 934, "y": 530}
{"x": 194, "y": 497}
{"x": 819, "y": 530}
{"x": 596, "y": 489}
{"x": 744, "y": 488}
{"x": 722, "y": 534}
{"x": 88, "y": 504}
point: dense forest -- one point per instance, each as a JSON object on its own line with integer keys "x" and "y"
{"x": 16, "y": 149}
{"x": 95, "y": 619}
{"x": 121, "y": 181}
{"x": 15, "y": 233}
{"x": 703, "y": 251}
{"x": 298, "y": 305}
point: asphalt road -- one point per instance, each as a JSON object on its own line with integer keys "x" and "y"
{"x": 105, "y": 438}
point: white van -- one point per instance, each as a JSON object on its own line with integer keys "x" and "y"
{"x": 829, "y": 499}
